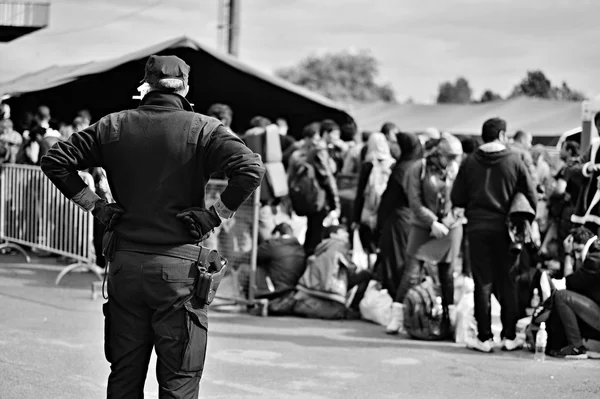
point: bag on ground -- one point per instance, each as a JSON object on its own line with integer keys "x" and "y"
{"x": 466, "y": 326}
{"x": 376, "y": 305}
{"x": 420, "y": 318}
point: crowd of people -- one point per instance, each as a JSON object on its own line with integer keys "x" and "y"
{"x": 342, "y": 208}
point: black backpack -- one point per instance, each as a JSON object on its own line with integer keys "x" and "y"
{"x": 419, "y": 303}
{"x": 306, "y": 194}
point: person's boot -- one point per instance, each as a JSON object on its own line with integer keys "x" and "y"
{"x": 396, "y": 323}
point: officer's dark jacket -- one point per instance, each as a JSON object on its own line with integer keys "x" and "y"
{"x": 158, "y": 159}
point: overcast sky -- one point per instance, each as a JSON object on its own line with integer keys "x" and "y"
{"x": 419, "y": 42}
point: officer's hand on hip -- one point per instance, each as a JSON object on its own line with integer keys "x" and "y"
{"x": 107, "y": 214}
{"x": 200, "y": 222}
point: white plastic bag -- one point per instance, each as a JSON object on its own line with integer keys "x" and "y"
{"x": 466, "y": 326}
{"x": 376, "y": 305}
{"x": 359, "y": 256}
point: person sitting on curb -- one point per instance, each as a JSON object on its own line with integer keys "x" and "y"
{"x": 576, "y": 307}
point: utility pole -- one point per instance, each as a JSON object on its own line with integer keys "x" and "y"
{"x": 228, "y": 35}
{"x": 233, "y": 39}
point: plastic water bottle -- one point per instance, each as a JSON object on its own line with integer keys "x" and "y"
{"x": 535, "y": 300}
{"x": 437, "y": 314}
{"x": 541, "y": 339}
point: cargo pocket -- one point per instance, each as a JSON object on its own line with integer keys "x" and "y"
{"x": 107, "y": 332}
{"x": 197, "y": 332}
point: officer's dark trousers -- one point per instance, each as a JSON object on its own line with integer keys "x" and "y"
{"x": 149, "y": 306}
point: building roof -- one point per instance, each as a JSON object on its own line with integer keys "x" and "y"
{"x": 541, "y": 118}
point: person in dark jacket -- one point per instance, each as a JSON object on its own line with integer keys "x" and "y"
{"x": 485, "y": 185}
{"x": 576, "y": 306}
{"x": 158, "y": 159}
{"x": 282, "y": 259}
{"x": 390, "y": 131}
{"x": 394, "y": 216}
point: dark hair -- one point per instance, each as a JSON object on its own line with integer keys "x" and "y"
{"x": 311, "y": 130}
{"x": 328, "y": 126}
{"x": 221, "y": 112}
{"x": 520, "y": 135}
{"x": 283, "y": 229}
{"x": 365, "y": 135}
{"x": 259, "y": 121}
{"x": 597, "y": 118}
{"x": 348, "y": 130}
{"x": 42, "y": 112}
{"x": 581, "y": 235}
{"x": 387, "y": 128}
{"x": 572, "y": 147}
{"x": 329, "y": 230}
{"x": 490, "y": 131}
{"x": 469, "y": 144}
{"x": 85, "y": 114}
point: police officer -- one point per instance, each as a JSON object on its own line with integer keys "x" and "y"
{"x": 158, "y": 158}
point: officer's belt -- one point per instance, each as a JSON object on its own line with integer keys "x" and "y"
{"x": 184, "y": 251}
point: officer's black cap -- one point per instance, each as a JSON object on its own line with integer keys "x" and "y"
{"x": 165, "y": 67}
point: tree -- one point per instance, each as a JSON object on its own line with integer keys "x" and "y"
{"x": 564, "y": 92}
{"x": 536, "y": 84}
{"x": 489, "y": 95}
{"x": 340, "y": 76}
{"x": 456, "y": 93}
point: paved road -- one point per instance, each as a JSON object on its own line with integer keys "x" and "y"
{"x": 51, "y": 347}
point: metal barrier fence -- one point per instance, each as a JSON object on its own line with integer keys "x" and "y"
{"x": 34, "y": 215}
{"x": 237, "y": 240}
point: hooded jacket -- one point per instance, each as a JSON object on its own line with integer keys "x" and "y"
{"x": 394, "y": 200}
{"x": 486, "y": 184}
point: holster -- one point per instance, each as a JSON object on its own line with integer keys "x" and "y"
{"x": 211, "y": 270}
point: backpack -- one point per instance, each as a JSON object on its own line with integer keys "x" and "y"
{"x": 376, "y": 185}
{"x": 306, "y": 194}
{"x": 419, "y": 303}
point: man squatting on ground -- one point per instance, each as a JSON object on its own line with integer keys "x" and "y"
{"x": 158, "y": 158}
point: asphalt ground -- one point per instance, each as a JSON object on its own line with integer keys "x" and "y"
{"x": 51, "y": 346}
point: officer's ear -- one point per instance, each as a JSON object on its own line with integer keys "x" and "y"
{"x": 185, "y": 91}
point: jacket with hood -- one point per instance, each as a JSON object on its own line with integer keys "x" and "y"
{"x": 486, "y": 184}
{"x": 394, "y": 201}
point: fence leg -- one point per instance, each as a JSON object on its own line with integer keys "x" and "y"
{"x": 16, "y": 247}
{"x": 79, "y": 265}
